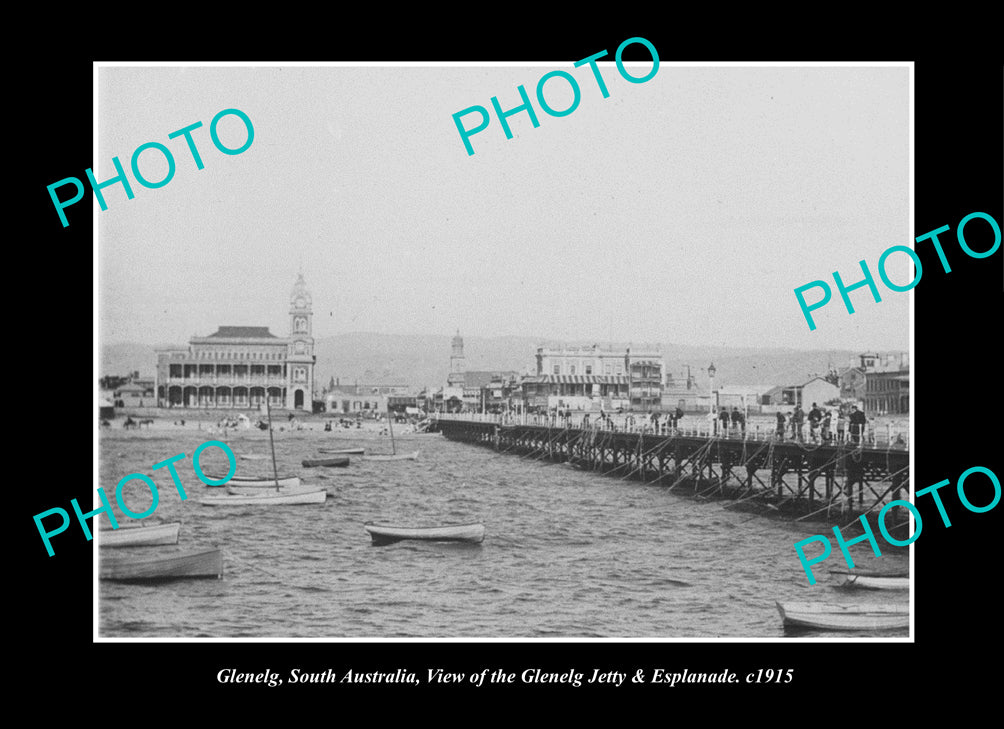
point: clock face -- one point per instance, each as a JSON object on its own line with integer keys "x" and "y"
{"x": 300, "y": 347}
{"x": 300, "y": 303}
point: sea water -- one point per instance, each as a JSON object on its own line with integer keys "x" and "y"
{"x": 566, "y": 554}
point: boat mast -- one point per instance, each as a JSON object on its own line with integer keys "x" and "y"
{"x": 390, "y": 425}
{"x": 275, "y": 471}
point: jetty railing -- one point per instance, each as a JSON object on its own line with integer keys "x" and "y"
{"x": 882, "y": 436}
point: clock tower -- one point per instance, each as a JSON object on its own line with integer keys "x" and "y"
{"x": 300, "y": 357}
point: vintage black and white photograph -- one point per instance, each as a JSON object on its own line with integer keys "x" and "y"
{"x": 489, "y": 352}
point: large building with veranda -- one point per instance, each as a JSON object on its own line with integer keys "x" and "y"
{"x": 237, "y": 367}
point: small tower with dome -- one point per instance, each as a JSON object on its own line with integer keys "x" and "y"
{"x": 301, "y": 359}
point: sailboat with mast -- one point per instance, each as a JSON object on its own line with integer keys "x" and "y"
{"x": 394, "y": 455}
{"x": 282, "y": 496}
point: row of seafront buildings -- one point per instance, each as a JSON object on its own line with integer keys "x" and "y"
{"x": 241, "y": 367}
{"x": 593, "y": 378}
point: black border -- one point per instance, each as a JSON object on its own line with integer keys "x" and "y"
{"x": 958, "y": 125}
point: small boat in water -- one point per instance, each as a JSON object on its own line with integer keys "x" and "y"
{"x": 339, "y": 462}
{"x": 413, "y": 456}
{"x": 265, "y": 496}
{"x": 182, "y": 565}
{"x": 140, "y": 535}
{"x": 866, "y": 580}
{"x": 315, "y": 495}
{"x": 822, "y": 616}
{"x": 265, "y": 481}
{"x": 238, "y": 490}
{"x": 386, "y": 534}
{"x": 254, "y": 456}
{"x": 343, "y": 451}
{"x": 393, "y": 455}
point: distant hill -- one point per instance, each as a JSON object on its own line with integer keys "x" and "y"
{"x": 425, "y": 359}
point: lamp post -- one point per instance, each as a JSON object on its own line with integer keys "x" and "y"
{"x": 711, "y": 390}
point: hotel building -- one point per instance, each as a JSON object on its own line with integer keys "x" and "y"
{"x": 237, "y": 367}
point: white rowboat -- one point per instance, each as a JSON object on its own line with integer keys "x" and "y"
{"x": 343, "y": 451}
{"x": 163, "y": 567}
{"x": 821, "y": 616}
{"x": 386, "y": 534}
{"x": 398, "y": 457}
{"x": 258, "y": 481}
{"x": 268, "y": 498}
{"x": 260, "y": 490}
{"x": 873, "y": 580}
{"x": 140, "y": 535}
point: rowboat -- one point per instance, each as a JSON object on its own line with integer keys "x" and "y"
{"x": 821, "y": 616}
{"x": 343, "y": 451}
{"x": 259, "y": 490}
{"x": 397, "y": 457}
{"x": 385, "y": 534}
{"x": 163, "y": 567}
{"x": 258, "y": 481}
{"x": 268, "y": 498}
{"x": 340, "y": 462}
{"x": 873, "y": 580}
{"x": 140, "y": 535}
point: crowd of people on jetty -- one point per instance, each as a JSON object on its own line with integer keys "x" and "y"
{"x": 825, "y": 426}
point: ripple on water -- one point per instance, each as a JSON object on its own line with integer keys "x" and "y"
{"x": 566, "y": 553}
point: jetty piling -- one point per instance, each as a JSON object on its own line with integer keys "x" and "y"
{"x": 753, "y": 469}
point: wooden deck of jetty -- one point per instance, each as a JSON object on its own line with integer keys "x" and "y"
{"x": 831, "y": 482}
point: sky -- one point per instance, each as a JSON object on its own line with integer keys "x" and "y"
{"x": 683, "y": 209}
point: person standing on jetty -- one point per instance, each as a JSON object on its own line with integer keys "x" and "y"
{"x": 841, "y": 424}
{"x": 780, "y": 425}
{"x": 739, "y": 420}
{"x": 857, "y": 422}
{"x": 827, "y": 434}
{"x": 815, "y": 416}
{"x": 724, "y": 417}
{"x": 796, "y": 423}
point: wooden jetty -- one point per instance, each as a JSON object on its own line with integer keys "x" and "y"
{"x": 828, "y": 482}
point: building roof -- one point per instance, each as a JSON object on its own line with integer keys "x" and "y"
{"x": 813, "y": 379}
{"x": 844, "y": 370}
{"x": 244, "y": 333}
{"x": 579, "y": 379}
{"x": 483, "y": 378}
